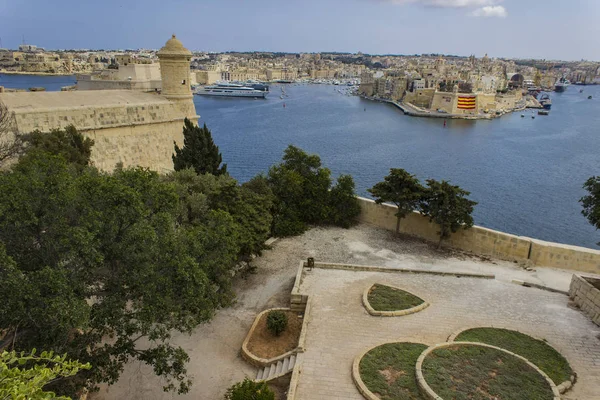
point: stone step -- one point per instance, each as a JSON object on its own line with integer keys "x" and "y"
{"x": 286, "y": 364}
{"x": 279, "y": 368}
{"x": 271, "y": 371}
{"x": 292, "y": 362}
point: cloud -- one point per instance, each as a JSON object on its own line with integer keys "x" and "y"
{"x": 446, "y": 3}
{"x": 490, "y": 11}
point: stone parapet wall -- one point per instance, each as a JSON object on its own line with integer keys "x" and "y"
{"x": 586, "y": 296}
{"x": 485, "y": 241}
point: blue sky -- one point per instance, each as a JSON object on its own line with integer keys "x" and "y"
{"x": 551, "y": 29}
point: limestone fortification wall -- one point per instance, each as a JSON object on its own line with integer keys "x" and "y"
{"x": 128, "y": 127}
{"x": 485, "y": 241}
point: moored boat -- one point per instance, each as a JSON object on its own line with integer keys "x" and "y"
{"x": 546, "y": 102}
{"x": 561, "y": 85}
{"x": 230, "y": 90}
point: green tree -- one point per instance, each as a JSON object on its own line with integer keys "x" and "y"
{"x": 24, "y": 375}
{"x": 344, "y": 207}
{"x": 447, "y": 206}
{"x": 250, "y": 390}
{"x": 199, "y": 151}
{"x": 69, "y": 143}
{"x": 96, "y": 256}
{"x": 249, "y": 205}
{"x": 301, "y": 189}
{"x": 591, "y": 202}
{"x": 402, "y": 189}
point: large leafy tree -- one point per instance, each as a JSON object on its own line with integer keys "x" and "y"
{"x": 591, "y": 202}
{"x": 24, "y": 376}
{"x": 448, "y": 206}
{"x": 304, "y": 196}
{"x": 249, "y": 205}
{"x": 69, "y": 143}
{"x": 199, "y": 151}
{"x": 300, "y": 185}
{"x": 102, "y": 271}
{"x": 402, "y": 189}
{"x": 344, "y": 207}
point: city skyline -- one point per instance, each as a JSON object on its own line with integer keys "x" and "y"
{"x": 503, "y": 29}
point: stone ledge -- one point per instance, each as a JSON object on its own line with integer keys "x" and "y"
{"x": 538, "y": 286}
{"x": 397, "y": 313}
{"x": 295, "y": 377}
{"x": 368, "y": 268}
{"x": 431, "y": 395}
{"x": 263, "y": 362}
{"x": 562, "y": 388}
{"x": 360, "y": 385}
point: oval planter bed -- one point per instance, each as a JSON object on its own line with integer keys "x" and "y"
{"x": 387, "y": 372}
{"x": 463, "y": 370}
{"x": 261, "y": 347}
{"x": 387, "y": 301}
{"x": 544, "y": 356}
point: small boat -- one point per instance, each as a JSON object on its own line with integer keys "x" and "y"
{"x": 543, "y": 112}
{"x": 581, "y": 91}
{"x": 546, "y": 102}
{"x": 561, "y": 85}
{"x": 589, "y": 97}
{"x": 533, "y": 117}
{"x": 522, "y": 115}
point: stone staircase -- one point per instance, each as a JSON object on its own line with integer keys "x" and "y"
{"x": 276, "y": 369}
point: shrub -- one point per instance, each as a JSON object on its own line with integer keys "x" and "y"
{"x": 276, "y": 322}
{"x": 249, "y": 390}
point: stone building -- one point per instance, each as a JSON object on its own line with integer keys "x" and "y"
{"x": 129, "y": 127}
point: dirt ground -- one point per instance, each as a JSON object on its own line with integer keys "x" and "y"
{"x": 214, "y": 347}
{"x": 266, "y": 345}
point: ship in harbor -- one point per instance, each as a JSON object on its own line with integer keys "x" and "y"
{"x": 546, "y": 102}
{"x": 224, "y": 89}
{"x": 561, "y": 85}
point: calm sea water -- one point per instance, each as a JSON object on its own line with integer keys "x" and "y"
{"x": 527, "y": 174}
{"x": 51, "y": 83}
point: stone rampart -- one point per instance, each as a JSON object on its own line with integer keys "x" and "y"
{"x": 586, "y": 296}
{"x": 128, "y": 127}
{"x": 485, "y": 241}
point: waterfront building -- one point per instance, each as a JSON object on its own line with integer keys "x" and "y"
{"x": 128, "y": 127}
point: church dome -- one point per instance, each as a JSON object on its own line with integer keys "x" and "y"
{"x": 173, "y": 47}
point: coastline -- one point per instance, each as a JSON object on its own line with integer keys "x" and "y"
{"x": 34, "y": 73}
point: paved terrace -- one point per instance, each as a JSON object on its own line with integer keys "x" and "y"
{"x": 340, "y": 328}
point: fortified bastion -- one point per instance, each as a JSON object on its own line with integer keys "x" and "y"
{"x": 129, "y": 127}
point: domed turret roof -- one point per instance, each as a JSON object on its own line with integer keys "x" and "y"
{"x": 173, "y": 47}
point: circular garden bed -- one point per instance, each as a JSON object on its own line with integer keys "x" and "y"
{"x": 544, "y": 356}
{"x": 481, "y": 372}
{"x": 390, "y": 301}
{"x": 387, "y": 372}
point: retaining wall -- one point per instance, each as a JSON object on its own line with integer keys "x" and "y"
{"x": 485, "y": 241}
{"x": 586, "y": 296}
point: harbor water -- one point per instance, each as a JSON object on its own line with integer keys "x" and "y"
{"x": 526, "y": 173}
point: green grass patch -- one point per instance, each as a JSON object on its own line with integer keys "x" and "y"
{"x": 385, "y": 298}
{"x": 389, "y": 371}
{"x": 464, "y": 372}
{"x": 537, "y": 351}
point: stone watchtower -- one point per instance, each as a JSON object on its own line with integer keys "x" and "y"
{"x": 174, "y": 62}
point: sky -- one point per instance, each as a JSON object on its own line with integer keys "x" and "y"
{"x": 542, "y": 29}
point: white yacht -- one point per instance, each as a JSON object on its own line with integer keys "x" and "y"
{"x": 230, "y": 90}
